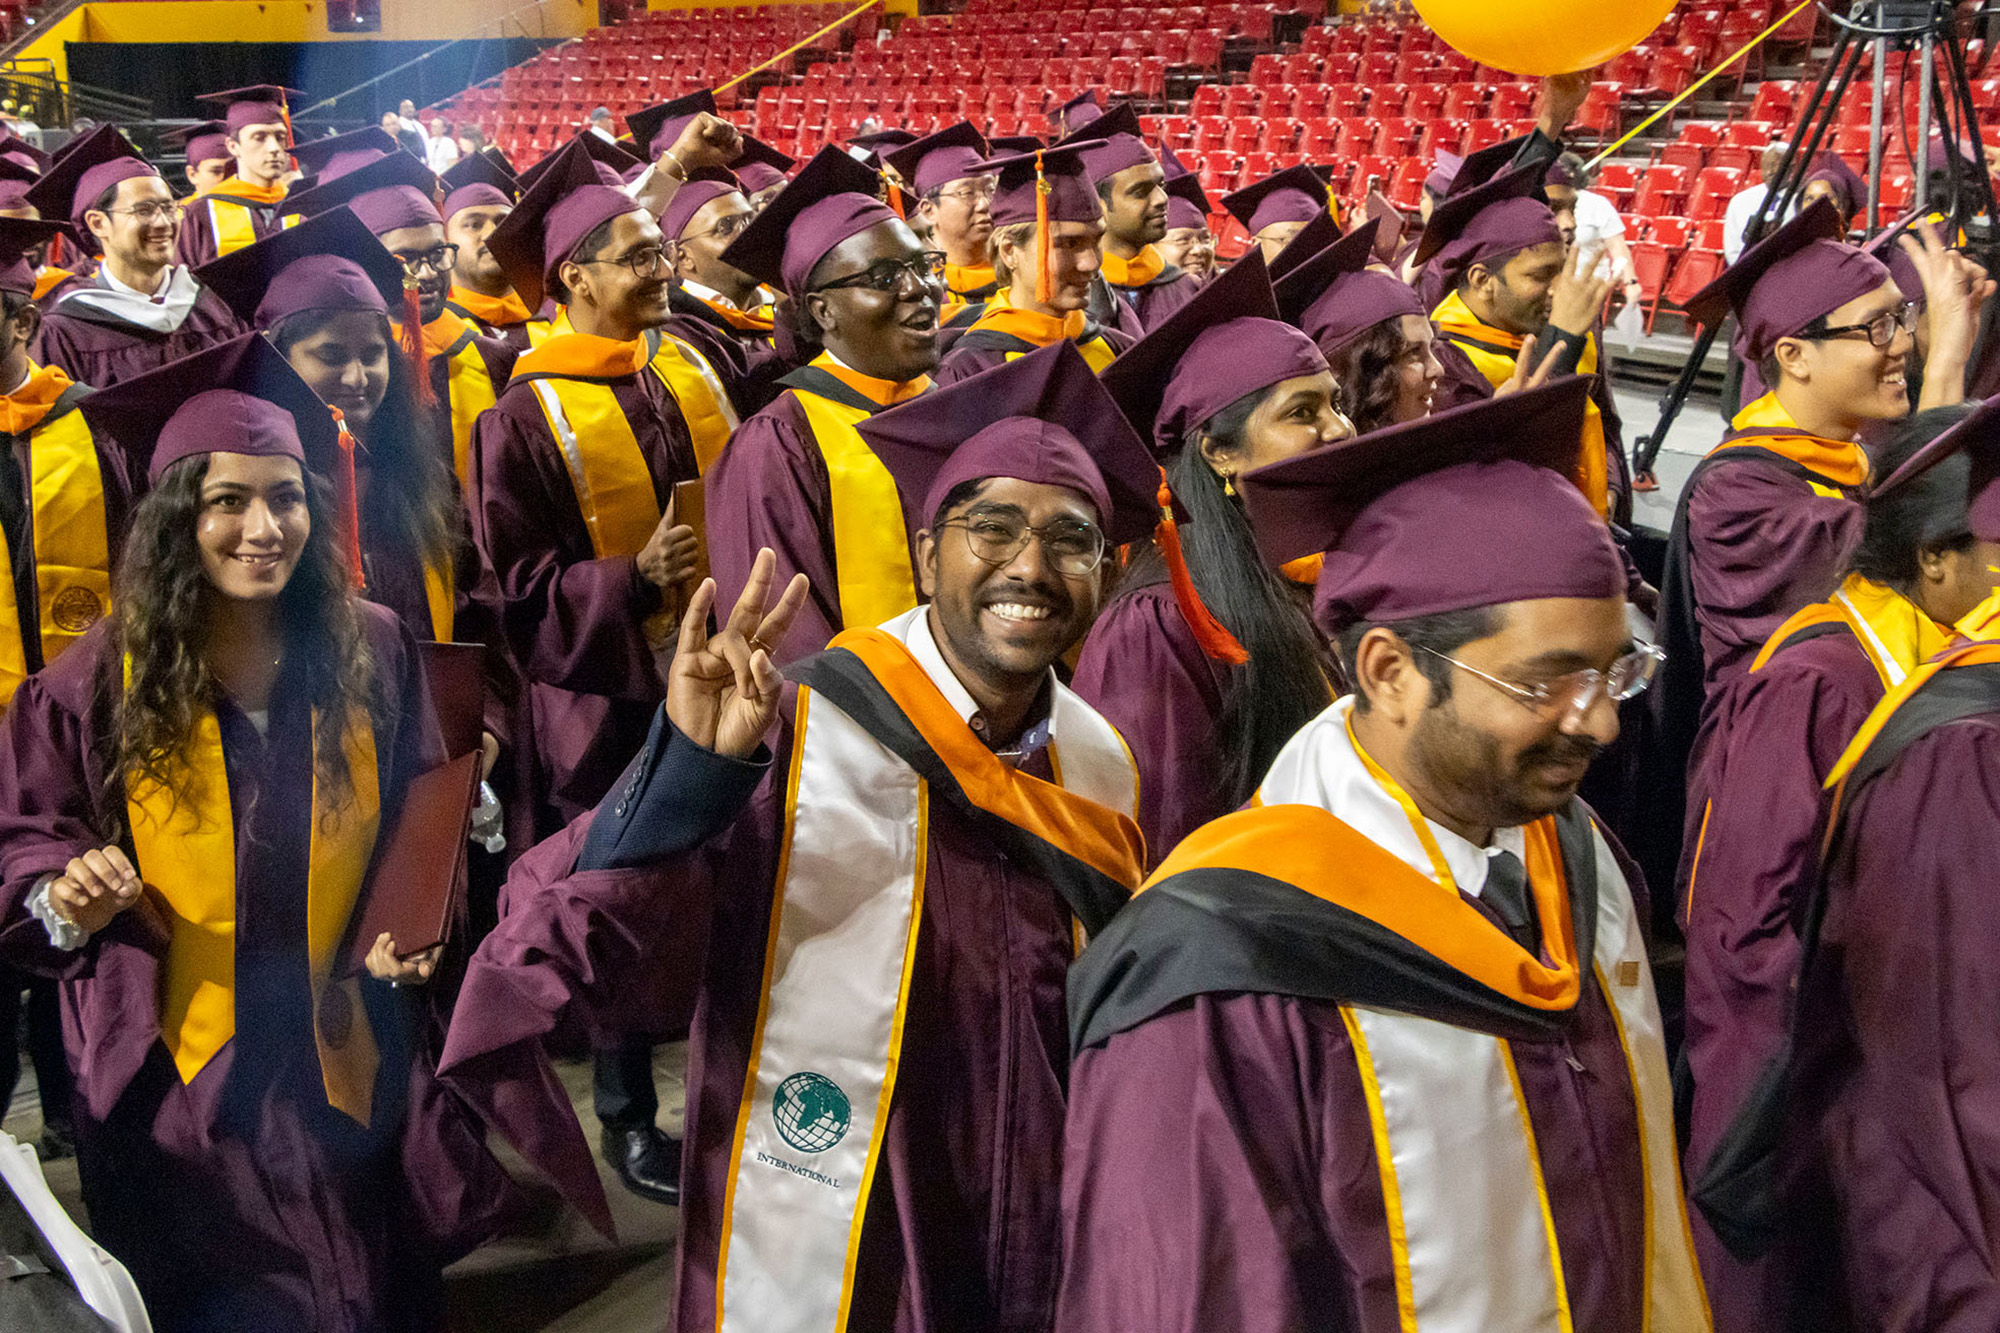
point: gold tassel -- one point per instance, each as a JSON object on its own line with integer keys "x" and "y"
{"x": 1045, "y": 283}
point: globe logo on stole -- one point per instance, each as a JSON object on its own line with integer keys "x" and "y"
{"x": 811, "y": 1112}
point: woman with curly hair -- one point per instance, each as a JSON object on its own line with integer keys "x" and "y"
{"x": 1208, "y": 670}
{"x": 189, "y": 803}
{"x": 1372, "y": 328}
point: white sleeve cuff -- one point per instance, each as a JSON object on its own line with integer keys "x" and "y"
{"x": 63, "y": 934}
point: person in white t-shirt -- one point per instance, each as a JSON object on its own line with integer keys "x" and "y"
{"x": 1590, "y": 222}
{"x": 1743, "y": 205}
{"x": 443, "y": 151}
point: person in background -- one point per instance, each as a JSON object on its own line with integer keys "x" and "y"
{"x": 206, "y": 149}
{"x": 1136, "y": 288}
{"x": 600, "y": 124}
{"x": 1743, "y": 205}
{"x": 1188, "y": 244}
{"x": 1833, "y": 180}
{"x": 471, "y": 141}
{"x": 1375, "y": 334}
{"x": 956, "y": 199}
{"x": 479, "y": 196}
{"x": 409, "y": 138}
{"x": 1594, "y": 228}
{"x": 1277, "y": 208}
{"x": 243, "y": 207}
{"x": 443, "y": 152}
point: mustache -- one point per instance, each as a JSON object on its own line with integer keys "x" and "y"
{"x": 1562, "y": 750}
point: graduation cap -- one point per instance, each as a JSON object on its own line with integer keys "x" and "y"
{"x": 617, "y": 160}
{"x": 1482, "y": 165}
{"x": 336, "y": 155}
{"x": 1013, "y": 143}
{"x": 1885, "y": 248}
{"x": 1977, "y": 433}
{"x": 1472, "y": 507}
{"x": 1319, "y": 232}
{"x": 14, "y": 146}
{"x": 1048, "y": 184}
{"x": 759, "y": 176}
{"x": 1112, "y": 143}
{"x": 1489, "y": 222}
{"x": 1789, "y": 279}
{"x": 1226, "y": 342}
{"x": 1041, "y": 418}
{"x": 477, "y": 181}
{"x": 872, "y": 143}
{"x": 19, "y": 237}
{"x": 936, "y": 160}
{"x": 567, "y": 202}
{"x": 1074, "y": 114}
{"x": 1187, "y": 202}
{"x": 1335, "y": 297}
{"x": 203, "y": 141}
{"x": 78, "y": 178}
{"x": 1389, "y": 238}
{"x": 237, "y": 397}
{"x": 1443, "y": 172}
{"x": 263, "y": 104}
{"x": 701, "y": 189}
{"x": 391, "y": 192}
{"x": 1849, "y": 188}
{"x": 331, "y": 261}
{"x": 15, "y": 182}
{"x": 830, "y": 200}
{"x": 1296, "y": 194}
{"x": 491, "y": 152}
{"x": 655, "y": 129}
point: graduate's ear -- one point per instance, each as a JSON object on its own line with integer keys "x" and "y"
{"x": 820, "y": 311}
{"x": 679, "y": 262}
{"x": 1793, "y": 361}
{"x": 26, "y": 323}
{"x": 1220, "y": 457}
{"x": 1386, "y": 676}
{"x": 927, "y": 563}
{"x": 575, "y": 279}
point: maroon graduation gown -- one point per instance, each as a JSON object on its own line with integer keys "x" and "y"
{"x": 983, "y": 349}
{"x": 1143, "y": 307}
{"x": 1896, "y": 1129}
{"x": 575, "y": 621}
{"x": 1143, "y": 670}
{"x": 197, "y": 246}
{"x": 240, "y": 1199}
{"x": 770, "y": 488}
{"x": 100, "y": 351}
{"x": 1756, "y": 810}
{"x": 961, "y": 1232}
{"x": 747, "y": 361}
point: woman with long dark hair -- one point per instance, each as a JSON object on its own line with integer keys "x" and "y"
{"x": 1370, "y": 325}
{"x": 189, "y": 804}
{"x": 1207, "y": 683}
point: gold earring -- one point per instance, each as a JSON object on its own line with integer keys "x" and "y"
{"x": 1228, "y": 485}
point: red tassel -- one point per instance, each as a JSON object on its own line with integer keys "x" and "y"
{"x": 347, "y": 499}
{"x": 1045, "y": 283}
{"x": 1214, "y": 637}
{"x": 414, "y": 346}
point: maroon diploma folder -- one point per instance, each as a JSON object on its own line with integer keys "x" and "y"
{"x": 418, "y": 879}
{"x": 456, "y": 673}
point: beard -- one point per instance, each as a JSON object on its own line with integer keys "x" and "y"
{"x": 1484, "y": 785}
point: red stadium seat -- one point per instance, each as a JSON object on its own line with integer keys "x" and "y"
{"x": 1713, "y": 188}
{"x": 1661, "y": 190}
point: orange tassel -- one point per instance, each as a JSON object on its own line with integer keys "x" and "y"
{"x": 1045, "y": 282}
{"x": 893, "y": 196}
{"x": 1211, "y": 634}
{"x": 414, "y": 346}
{"x": 347, "y": 499}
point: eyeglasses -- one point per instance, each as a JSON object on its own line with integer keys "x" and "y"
{"x": 649, "y": 262}
{"x": 1576, "y": 691}
{"x": 439, "y": 260}
{"x": 975, "y": 190}
{"x": 728, "y": 227}
{"x": 147, "y": 214}
{"x": 1075, "y": 549}
{"x": 887, "y": 275}
{"x": 1881, "y": 330}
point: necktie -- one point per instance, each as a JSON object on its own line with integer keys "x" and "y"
{"x": 1506, "y": 893}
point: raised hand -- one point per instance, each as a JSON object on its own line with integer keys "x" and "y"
{"x": 1577, "y": 298}
{"x": 1956, "y": 290}
{"x": 94, "y": 888}
{"x": 706, "y": 141}
{"x": 1528, "y": 372}
{"x": 1562, "y": 97}
{"x": 722, "y": 691}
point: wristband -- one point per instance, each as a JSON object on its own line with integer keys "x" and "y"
{"x": 674, "y": 158}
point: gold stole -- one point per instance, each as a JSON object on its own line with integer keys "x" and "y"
{"x": 1839, "y": 465}
{"x": 471, "y": 392}
{"x": 72, "y": 551}
{"x": 695, "y": 387}
{"x": 187, "y": 854}
{"x": 1033, "y": 326}
{"x": 1137, "y": 271}
{"x": 1457, "y": 322}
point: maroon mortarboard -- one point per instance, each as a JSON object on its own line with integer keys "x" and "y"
{"x": 330, "y": 261}
{"x": 1318, "y": 233}
{"x": 392, "y": 192}
{"x": 830, "y": 200}
{"x": 757, "y": 153}
{"x": 1483, "y": 164}
{"x": 758, "y": 177}
{"x": 1488, "y": 223}
{"x": 1978, "y": 434}
{"x": 330, "y": 158}
{"x": 1225, "y": 343}
{"x": 1471, "y": 507}
{"x": 1389, "y": 237}
{"x": 203, "y": 141}
{"x": 1013, "y": 143}
{"x": 1442, "y": 172}
{"x": 477, "y": 181}
{"x": 1901, "y": 267}
{"x": 1335, "y": 297}
{"x": 1787, "y": 280}
{"x": 14, "y": 146}
{"x": 237, "y": 397}
{"x": 616, "y": 161}
{"x": 264, "y": 104}
{"x": 1040, "y": 418}
{"x": 873, "y": 146}
{"x": 1187, "y": 203}
{"x": 1849, "y": 188}
{"x": 15, "y": 182}
{"x": 1983, "y": 513}
{"x": 1113, "y": 143}
{"x": 656, "y": 128}
{"x": 78, "y": 177}
{"x": 1079, "y": 111}
{"x": 18, "y": 237}
{"x": 1072, "y": 198}
{"x": 14, "y": 171}
{"x": 567, "y": 203}
{"x": 1296, "y": 194}
{"x": 936, "y": 160}
{"x": 703, "y": 188}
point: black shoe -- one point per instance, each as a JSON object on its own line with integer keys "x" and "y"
{"x": 647, "y": 1161}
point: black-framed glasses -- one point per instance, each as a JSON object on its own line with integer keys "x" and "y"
{"x": 440, "y": 259}
{"x": 1576, "y": 691}
{"x": 1075, "y": 549}
{"x": 728, "y": 228}
{"x": 646, "y": 262}
{"x": 149, "y": 213}
{"x": 888, "y": 275}
{"x": 1881, "y": 330}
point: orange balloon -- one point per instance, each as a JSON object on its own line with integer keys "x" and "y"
{"x": 1544, "y": 37}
